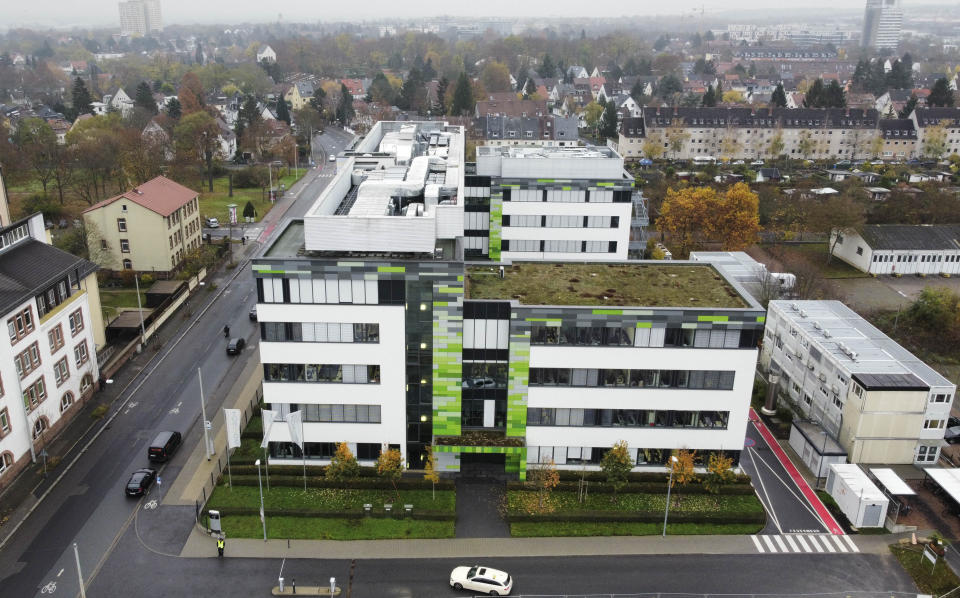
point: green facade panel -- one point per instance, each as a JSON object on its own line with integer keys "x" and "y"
{"x": 519, "y": 378}
{"x": 447, "y": 357}
{"x": 496, "y": 224}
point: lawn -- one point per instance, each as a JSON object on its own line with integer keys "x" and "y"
{"x": 302, "y": 528}
{"x": 604, "y": 284}
{"x": 215, "y": 204}
{"x": 112, "y": 299}
{"x": 543, "y": 529}
{"x": 816, "y": 253}
{"x": 930, "y": 579}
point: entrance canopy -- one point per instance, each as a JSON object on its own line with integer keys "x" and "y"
{"x": 891, "y": 481}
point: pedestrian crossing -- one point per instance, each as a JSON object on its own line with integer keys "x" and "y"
{"x": 804, "y": 543}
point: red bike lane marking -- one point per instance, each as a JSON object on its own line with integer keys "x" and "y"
{"x": 801, "y": 483}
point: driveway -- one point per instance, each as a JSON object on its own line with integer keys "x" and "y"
{"x": 478, "y": 507}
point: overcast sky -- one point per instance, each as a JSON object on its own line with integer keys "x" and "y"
{"x": 59, "y": 13}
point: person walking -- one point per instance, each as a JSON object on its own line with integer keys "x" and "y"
{"x": 226, "y": 331}
{"x": 220, "y": 543}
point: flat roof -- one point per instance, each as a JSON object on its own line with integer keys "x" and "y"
{"x": 641, "y": 283}
{"x": 853, "y": 342}
{"x": 948, "y": 479}
{"x": 858, "y": 481}
{"x": 905, "y": 381}
{"x": 891, "y": 481}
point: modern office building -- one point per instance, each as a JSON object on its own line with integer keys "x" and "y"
{"x": 866, "y": 393}
{"x": 377, "y": 329}
{"x": 140, "y": 17}
{"x": 882, "y": 24}
{"x": 48, "y": 366}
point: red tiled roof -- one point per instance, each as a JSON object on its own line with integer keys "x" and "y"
{"x": 160, "y": 195}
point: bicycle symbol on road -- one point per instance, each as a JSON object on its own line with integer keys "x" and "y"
{"x": 50, "y": 588}
{"x": 152, "y": 504}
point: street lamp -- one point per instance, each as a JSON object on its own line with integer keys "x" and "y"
{"x": 262, "y": 518}
{"x": 673, "y": 459}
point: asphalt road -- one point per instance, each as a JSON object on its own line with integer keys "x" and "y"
{"x": 788, "y": 510}
{"x": 88, "y": 506}
{"x": 784, "y": 575}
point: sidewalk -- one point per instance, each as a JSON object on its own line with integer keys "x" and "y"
{"x": 200, "y": 545}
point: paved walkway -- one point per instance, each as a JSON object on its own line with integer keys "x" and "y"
{"x": 200, "y": 545}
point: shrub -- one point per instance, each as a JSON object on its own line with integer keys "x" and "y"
{"x": 343, "y": 465}
{"x": 251, "y": 177}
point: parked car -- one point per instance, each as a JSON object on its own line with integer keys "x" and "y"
{"x": 253, "y": 313}
{"x": 757, "y": 163}
{"x": 953, "y": 421}
{"x": 952, "y": 435}
{"x": 235, "y": 346}
{"x": 484, "y": 580}
{"x": 164, "y": 445}
{"x": 140, "y": 481}
{"x": 212, "y": 223}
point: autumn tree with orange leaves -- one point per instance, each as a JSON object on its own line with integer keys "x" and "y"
{"x": 694, "y": 215}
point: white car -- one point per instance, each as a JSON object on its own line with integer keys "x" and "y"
{"x": 484, "y": 580}
{"x": 757, "y": 163}
{"x": 213, "y": 223}
{"x": 332, "y": 158}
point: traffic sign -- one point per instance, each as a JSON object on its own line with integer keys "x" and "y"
{"x": 207, "y": 425}
{"x": 159, "y": 481}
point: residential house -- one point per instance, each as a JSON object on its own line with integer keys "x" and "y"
{"x": 152, "y": 227}
{"x": 266, "y": 54}
{"x": 548, "y": 131}
{"x": 900, "y": 249}
{"x": 355, "y": 87}
{"x": 49, "y": 368}
{"x": 299, "y": 94}
{"x": 767, "y": 175}
{"x": 899, "y": 138}
{"x": 631, "y": 138}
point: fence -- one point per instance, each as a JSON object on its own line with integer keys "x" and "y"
{"x": 216, "y": 471}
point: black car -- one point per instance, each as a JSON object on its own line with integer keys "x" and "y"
{"x": 140, "y": 481}
{"x": 235, "y": 346}
{"x": 253, "y": 313}
{"x": 953, "y": 421}
{"x": 952, "y": 435}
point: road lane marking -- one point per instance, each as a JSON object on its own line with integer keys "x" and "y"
{"x": 783, "y": 547}
{"x": 827, "y": 543}
{"x": 853, "y": 546}
{"x": 836, "y": 540}
{"x": 803, "y": 543}
{"x": 768, "y": 504}
{"x": 770, "y": 546}
{"x": 813, "y": 541}
{"x": 757, "y": 544}
{"x": 793, "y": 545}
{"x": 61, "y": 573}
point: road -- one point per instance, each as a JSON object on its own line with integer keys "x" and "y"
{"x": 87, "y": 506}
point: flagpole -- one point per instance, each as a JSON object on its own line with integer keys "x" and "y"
{"x": 229, "y": 473}
{"x": 267, "y": 467}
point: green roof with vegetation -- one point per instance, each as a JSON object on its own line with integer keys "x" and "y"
{"x": 648, "y": 284}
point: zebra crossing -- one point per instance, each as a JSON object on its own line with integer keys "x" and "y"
{"x": 804, "y": 543}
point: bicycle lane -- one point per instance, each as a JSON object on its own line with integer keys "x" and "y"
{"x": 794, "y": 504}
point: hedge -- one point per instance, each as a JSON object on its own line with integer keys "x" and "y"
{"x": 397, "y": 513}
{"x": 634, "y": 477}
{"x": 613, "y": 517}
{"x": 641, "y": 488}
{"x": 351, "y": 484}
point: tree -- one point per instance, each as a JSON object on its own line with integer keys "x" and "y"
{"x": 38, "y": 143}
{"x": 283, "y": 112}
{"x": 677, "y": 135}
{"x": 592, "y": 113}
{"x": 806, "y": 145}
{"x": 343, "y": 465}
{"x": 495, "y": 76}
{"x": 441, "y": 106}
{"x": 935, "y": 140}
{"x": 940, "y": 94}
{"x": 693, "y": 215}
{"x": 196, "y": 140}
{"x": 779, "y": 97}
{"x": 616, "y": 465}
{"x": 81, "y": 98}
{"x": 191, "y": 93}
{"x": 836, "y": 216}
{"x": 730, "y": 144}
{"x": 143, "y": 98}
{"x": 430, "y": 470}
{"x": 709, "y": 98}
{"x": 174, "y": 108}
{"x": 390, "y": 466}
{"x": 653, "y": 145}
{"x": 776, "y": 145}
{"x": 720, "y": 468}
{"x": 413, "y": 92}
{"x": 908, "y": 107}
{"x": 249, "y": 211}
{"x": 543, "y": 477}
{"x": 463, "y": 102}
{"x": 608, "y": 121}
{"x": 732, "y": 97}
{"x": 345, "y": 112}
{"x": 381, "y": 91}
{"x": 547, "y": 68}
{"x": 683, "y": 469}
{"x": 668, "y": 86}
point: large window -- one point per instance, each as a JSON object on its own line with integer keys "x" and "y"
{"x": 80, "y": 354}
{"x": 61, "y": 371}
{"x": 625, "y": 378}
{"x": 34, "y": 394}
{"x": 311, "y": 372}
{"x": 631, "y": 418}
{"x": 27, "y": 360}
{"x": 4, "y": 422}
{"x": 76, "y": 322}
{"x": 6, "y": 461}
{"x": 55, "y": 336}
{"x": 643, "y": 334}
{"x": 320, "y": 332}
{"x": 354, "y": 414}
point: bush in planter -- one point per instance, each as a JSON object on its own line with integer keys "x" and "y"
{"x": 343, "y": 465}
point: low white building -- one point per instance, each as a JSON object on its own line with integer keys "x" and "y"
{"x": 48, "y": 365}
{"x": 896, "y": 249}
{"x": 878, "y": 401}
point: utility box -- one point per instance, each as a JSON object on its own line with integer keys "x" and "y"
{"x": 215, "y": 526}
{"x": 859, "y": 499}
